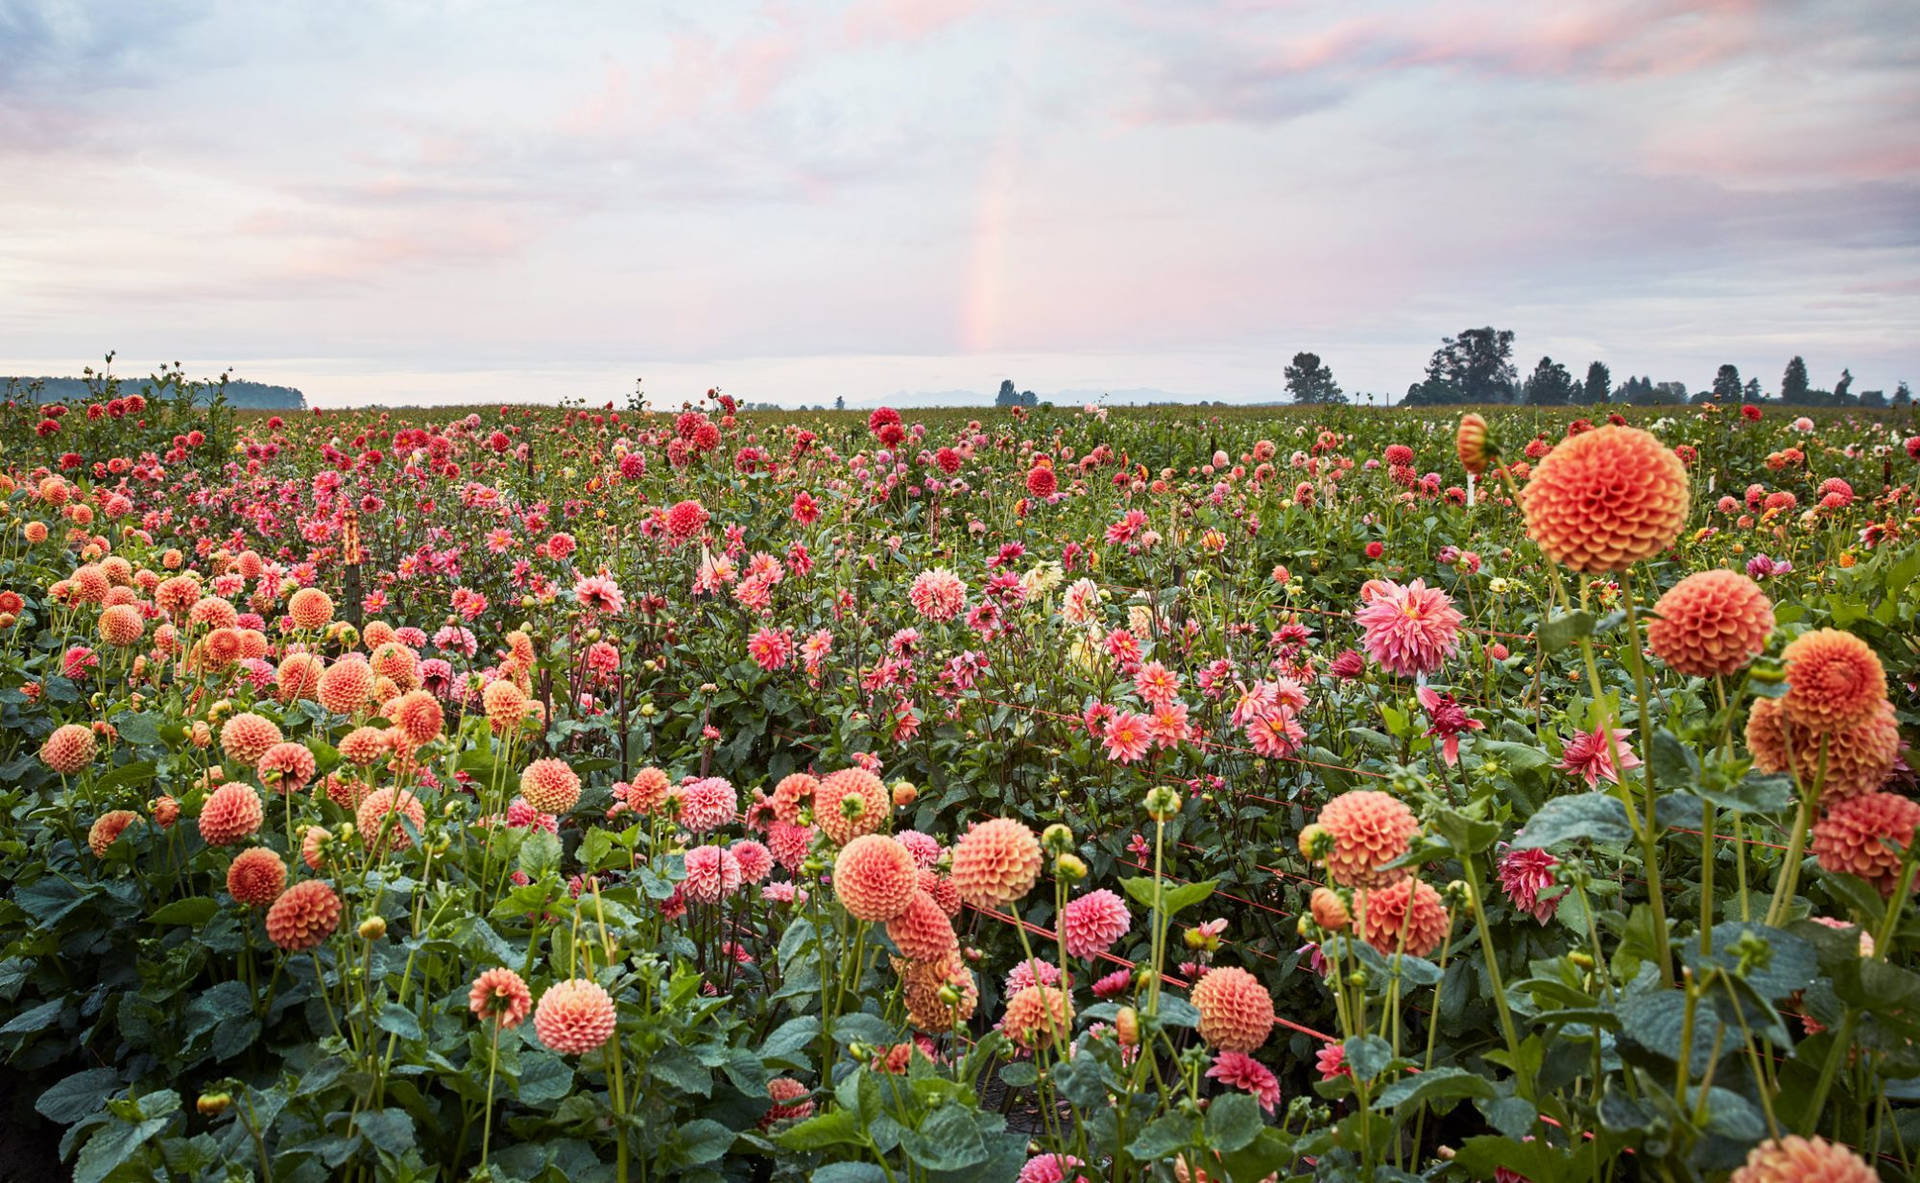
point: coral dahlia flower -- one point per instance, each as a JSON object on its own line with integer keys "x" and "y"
{"x": 1605, "y": 499}
{"x": 1410, "y": 630}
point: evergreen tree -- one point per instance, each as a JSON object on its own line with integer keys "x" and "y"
{"x": 1599, "y": 383}
{"x": 1549, "y": 385}
{"x": 1310, "y": 380}
{"x": 1726, "y": 384}
{"x": 1750, "y": 393}
{"x": 1793, "y": 384}
{"x": 1903, "y": 394}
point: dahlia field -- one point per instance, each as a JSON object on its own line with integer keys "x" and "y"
{"x": 1035, "y": 794}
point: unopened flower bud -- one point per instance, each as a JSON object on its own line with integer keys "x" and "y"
{"x": 1126, "y": 1025}
{"x": 213, "y": 1104}
{"x": 1056, "y": 838}
{"x": 1070, "y": 867}
{"x": 373, "y": 928}
{"x": 1162, "y": 803}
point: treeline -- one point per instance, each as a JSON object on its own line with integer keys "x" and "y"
{"x": 1477, "y": 367}
{"x": 251, "y": 396}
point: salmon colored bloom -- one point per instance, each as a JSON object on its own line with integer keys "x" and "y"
{"x": 1370, "y": 829}
{"x": 996, "y": 862}
{"x": 1844, "y": 763}
{"x": 286, "y": 767}
{"x": 849, "y": 803}
{"x": 1605, "y": 499}
{"x": 1236, "y": 1012}
{"x": 304, "y": 916}
{"x": 1711, "y": 622}
{"x": 418, "y": 714}
{"x": 255, "y": 876}
{"x": 379, "y": 814}
{"x": 922, "y": 932}
{"x": 1470, "y": 441}
{"x": 1794, "y": 1159}
{"x": 1853, "y": 838}
{"x": 501, "y": 994}
{"x": 1091, "y": 923}
{"x": 107, "y": 829}
{"x": 574, "y": 1017}
{"x": 346, "y": 685}
{"x": 310, "y": 608}
{"x": 550, "y": 786}
{"x": 232, "y": 812}
{"x": 69, "y": 749}
{"x": 1037, "y": 1016}
{"x": 1408, "y": 911}
{"x": 1834, "y": 680}
{"x": 875, "y": 878}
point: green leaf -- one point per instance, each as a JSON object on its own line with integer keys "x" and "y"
{"x": 703, "y": 1140}
{"x": 1674, "y": 764}
{"x": 1435, "y": 1084}
{"x": 192, "y": 912}
{"x": 79, "y": 1095}
{"x": 395, "y": 1019}
{"x": 1232, "y": 1122}
{"x": 37, "y": 1019}
{"x": 1596, "y": 817}
{"x": 1512, "y": 1116}
{"x": 1367, "y": 1056}
{"x": 849, "y": 1172}
{"x": 111, "y": 1148}
{"x": 1466, "y": 835}
{"x": 539, "y": 854}
{"x": 544, "y": 1078}
{"x": 390, "y": 1130}
{"x": 1564, "y": 628}
{"x": 137, "y": 728}
{"x": 837, "y": 1127}
{"x": 948, "y": 1140}
{"x": 234, "y": 1036}
{"x": 790, "y": 1037}
{"x": 1173, "y": 897}
{"x": 1757, "y": 792}
{"x": 1162, "y": 1137}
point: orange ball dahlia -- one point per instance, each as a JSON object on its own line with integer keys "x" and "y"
{"x": 256, "y": 876}
{"x": 305, "y": 915}
{"x": 1711, "y": 622}
{"x": 1369, "y": 829}
{"x": 1856, "y": 760}
{"x": 247, "y": 736}
{"x": 418, "y": 715}
{"x": 1834, "y": 680}
{"x": 849, "y": 803}
{"x": 1236, "y": 1012}
{"x": 648, "y": 791}
{"x": 122, "y": 625}
{"x": 286, "y": 766}
{"x": 107, "y": 829}
{"x": 1406, "y": 916}
{"x": 1852, "y": 838}
{"x": 574, "y": 1017}
{"x": 501, "y": 994}
{"x": 550, "y": 786}
{"x": 298, "y": 676}
{"x": 923, "y": 932}
{"x": 1037, "y": 1016}
{"x": 232, "y": 813}
{"x": 310, "y": 608}
{"x": 69, "y": 749}
{"x": 996, "y": 862}
{"x": 346, "y": 685}
{"x": 924, "y": 983}
{"x": 875, "y": 878}
{"x": 1605, "y": 499}
{"x": 379, "y": 814}
{"x": 1794, "y": 1159}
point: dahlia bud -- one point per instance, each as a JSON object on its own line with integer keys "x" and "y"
{"x": 709, "y": 688}
{"x": 949, "y": 996}
{"x": 646, "y": 710}
{"x": 373, "y": 928}
{"x": 1162, "y": 803}
{"x": 1582, "y": 961}
{"x": 1357, "y": 978}
{"x": 213, "y": 1104}
{"x": 1457, "y": 893}
{"x": 904, "y": 794}
{"x": 1056, "y": 838}
{"x": 852, "y": 806}
{"x": 1473, "y": 445}
{"x": 1070, "y": 867}
{"x": 1316, "y": 842}
{"x": 1329, "y": 910}
{"x": 1126, "y": 1025}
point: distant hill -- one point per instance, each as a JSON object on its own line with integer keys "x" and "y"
{"x": 252, "y": 396}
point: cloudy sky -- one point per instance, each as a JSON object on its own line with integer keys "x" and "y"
{"x": 420, "y": 201}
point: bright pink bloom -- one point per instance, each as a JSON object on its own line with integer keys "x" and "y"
{"x": 1410, "y": 630}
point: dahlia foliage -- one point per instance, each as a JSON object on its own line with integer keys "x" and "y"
{"x": 1045, "y": 795}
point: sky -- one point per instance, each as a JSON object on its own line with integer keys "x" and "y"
{"x": 431, "y": 201}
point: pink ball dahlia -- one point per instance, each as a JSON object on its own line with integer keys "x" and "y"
{"x": 574, "y": 1017}
{"x": 1092, "y": 923}
{"x": 69, "y": 749}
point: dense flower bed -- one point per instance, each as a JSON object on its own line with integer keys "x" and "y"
{"x": 568, "y": 794}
